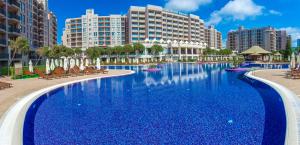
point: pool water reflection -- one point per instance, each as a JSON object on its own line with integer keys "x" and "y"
{"x": 181, "y": 104}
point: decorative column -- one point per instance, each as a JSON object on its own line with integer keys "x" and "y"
{"x": 186, "y": 53}
{"x": 179, "y": 53}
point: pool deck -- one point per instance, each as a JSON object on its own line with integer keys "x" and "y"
{"x": 21, "y": 88}
{"x": 279, "y": 76}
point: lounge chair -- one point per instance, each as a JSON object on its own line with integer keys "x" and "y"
{"x": 89, "y": 71}
{"x": 295, "y": 74}
{"x": 59, "y": 72}
{"x": 28, "y": 73}
{"x": 42, "y": 75}
{"x": 4, "y": 85}
{"x": 102, "y": 70}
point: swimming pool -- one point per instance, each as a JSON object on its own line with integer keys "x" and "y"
{"x": 181, "y": 104}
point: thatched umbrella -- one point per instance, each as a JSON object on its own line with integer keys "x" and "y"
{"x": 256, "y": 51}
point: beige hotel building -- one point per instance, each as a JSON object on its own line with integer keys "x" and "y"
{"x": 183, "y": 36}
{"x": 28, "y": 18}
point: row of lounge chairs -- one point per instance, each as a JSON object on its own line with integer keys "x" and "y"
{"x": 59, "y": 72}
{"x": 295, "y": 73}
{"x": 4, "y": 85}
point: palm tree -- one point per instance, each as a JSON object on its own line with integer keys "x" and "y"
{"x": 118, "y": 50}
{"x": 20, "y": 45}
{"x": 156, "y": 49}
{"x": 128, "y": 49}
{"x": 42, "y": 52}
{"x": 78, "y": 52}
{"x": 92, "y": 53}
{"x": 138, "y": 48}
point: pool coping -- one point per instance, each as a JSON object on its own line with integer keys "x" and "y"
{"x": 12, "y": 121}
{"x": 292, "y": 108}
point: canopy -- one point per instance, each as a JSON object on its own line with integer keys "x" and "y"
{"x": 255, "y": 50}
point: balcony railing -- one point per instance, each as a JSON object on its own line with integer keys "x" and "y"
{"x": 14, "y": 2}
{"x": 14, "y": 16}
{"x": 2, "y": 41}
{"x": 14, "y": 30}
{"x": 2, "y": 26}
{"x": 2, "y": 11}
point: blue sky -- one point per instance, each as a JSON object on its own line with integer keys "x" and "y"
{"x": 224, "y": 14}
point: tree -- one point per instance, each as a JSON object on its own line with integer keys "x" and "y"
{"x": 209, "y": 51}
{"x": 78, "y": 51}
{"x": 128, "y": 49}
{"x": 138, "y": 48}
{"x": 118, "y": 50}
{"x": 20, "y": 45}
{"x": 42, "y": 52}
{"x": 92, "y": 52}
{"x": 156, "y": 49}
{"x": 225, "y": 52}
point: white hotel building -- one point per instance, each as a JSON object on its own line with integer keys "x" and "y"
{"x": 182, "y": 35}
{"x": 91, "y": 30}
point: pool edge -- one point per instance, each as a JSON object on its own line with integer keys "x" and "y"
{"x": 12, "y": 121}
{"x": 291, "y": 105}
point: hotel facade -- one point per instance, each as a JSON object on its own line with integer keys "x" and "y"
{"x": 91, "y": 30}
{"x": 267, "y": 37}
{"x": 30, "y": 19}
{"x": 183, "y": 36}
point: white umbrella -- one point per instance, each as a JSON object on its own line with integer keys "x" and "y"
{"x": 72, "y": 63}
{"x": 81, "y": 65}
{"x": 66, "y": 64}
{"x": 94, "y": 61}
{"x": 30, "y": 66}
{"x": 87, "y": 62}
{"x": 52, "y": 66}
{"x": 47, "y": 67}
{"x": 271, "y": 58}
{"x": 293, "y": 62}
{"x": 298, "y": 58}
{"x": 61, "y": 63}
{"x": 56, "y": 62}
{"x": 77, "y": 62}
{"x": 98, "y": 65}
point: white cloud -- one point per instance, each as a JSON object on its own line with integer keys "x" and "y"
{"x": 274, "y": 12}
{"x": 294, "y": 32}
{"x": 236, "y": 10}
{"x": 186, "y": 5}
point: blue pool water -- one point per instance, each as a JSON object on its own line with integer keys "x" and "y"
{"x": 182, "y": 104}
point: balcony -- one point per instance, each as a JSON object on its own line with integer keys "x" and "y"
{"x": 2, "y": 42}
{"x": 2, "y": 27}
{"x": 14, "y": 30}
{"x": 2, "y": 12}
{"x": 14, "y": 3}
{"x": 14, "y": 16}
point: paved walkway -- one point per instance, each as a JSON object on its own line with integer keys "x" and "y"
{"x": 279, "y": 76}
{"x": 24, "y": 87}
